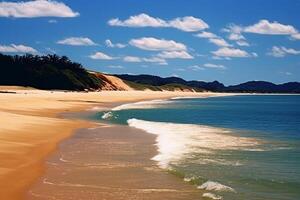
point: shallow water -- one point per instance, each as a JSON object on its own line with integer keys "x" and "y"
{"x": 237, "y": 147}
{"x": 108, "y": 162}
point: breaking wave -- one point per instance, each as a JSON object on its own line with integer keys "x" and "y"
{"x": 177, "y": 142}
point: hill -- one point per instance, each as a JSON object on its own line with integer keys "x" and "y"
{"x": 46, "y": 72}
{"x": 55, "y": 72}
{"x": 249, "y": 87}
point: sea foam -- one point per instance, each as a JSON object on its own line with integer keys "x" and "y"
{"x": 215, "y": 186}
{"x": 142, "y": 105}
{"x": 212, "y": 196}
{"x": 107, "y": 115}
{"x": 177, "y": 142}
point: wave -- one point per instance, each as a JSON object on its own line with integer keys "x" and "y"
{"x": 212, "y": 196}
{"x": 215, "y": 186}
{"x": 177, "y": 142}
{"x": 142, "y": 105}
{"x": 107, "y": 115}
{"x": 207, "y": 161}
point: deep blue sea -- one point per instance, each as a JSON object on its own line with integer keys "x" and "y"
{"x": 233, "y": 147}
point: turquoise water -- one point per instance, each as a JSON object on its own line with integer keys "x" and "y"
{"x": 234, "y": 147}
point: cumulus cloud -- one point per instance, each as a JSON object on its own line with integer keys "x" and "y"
{"x": 280, "y": 52}
{"x": 235, "y": 34}
{"x": 13, "y": 48}
{"x": 213, "y": 38}
{"x": 295, "y": 36}
{"x": 215, "y": 66}
{"x": 135, "y": 59}
{"x": 261, "y": 27}
{"x": 231, "y": 52}
{"x": 175, "y": 54}
{"x": 188, "y": 23}
{"x": 101, "y": 56}
{"x": 37, "y": 8}
{"x": 205, "y": 34}
{"x": 270, "y": 28}
{"x": 132, "y": 59}
{"x": 141, "y": 20}
{"x": 242, "y": 43}
{"x": 154, "y": 44}
{"x": 219, "y": 42}
{"x": 195, "y": 68}
{"x": 109, "y": 43}
{"x": 77, "y": 41}
{"x": 157, "y": 60}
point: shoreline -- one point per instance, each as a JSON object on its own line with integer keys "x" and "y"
{"x": 32, "y": 129}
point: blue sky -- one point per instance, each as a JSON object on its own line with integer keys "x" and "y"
{"x": 230, "y": 41}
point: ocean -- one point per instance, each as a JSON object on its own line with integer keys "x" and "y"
{"x": 232, "y": 147}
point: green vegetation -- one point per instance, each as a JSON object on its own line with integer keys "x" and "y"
{"x": 46, "y": 72}
{"x": 169, "y": 87}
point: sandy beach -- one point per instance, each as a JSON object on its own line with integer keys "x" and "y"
{"x": 31, "y": 128}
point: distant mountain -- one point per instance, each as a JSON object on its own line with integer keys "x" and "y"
{"x": 55, "y": 72}
{"x": 265, "y": 87}
{"x": 251, "y": 86}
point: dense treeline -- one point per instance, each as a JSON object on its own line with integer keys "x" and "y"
{"x": 45, "y": 72}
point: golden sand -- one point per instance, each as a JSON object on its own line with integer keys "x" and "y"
{"x": 30, "y": 128}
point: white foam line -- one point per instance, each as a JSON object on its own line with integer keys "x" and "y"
{"x": 141, "y": 105}
{"x": 176, "y": 142}
{"x": 143, "y": 190}
{"x": 215, "y": 186}
{"x": 211, "y": 196}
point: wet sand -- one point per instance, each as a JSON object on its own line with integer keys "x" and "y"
{"x": 32, "y": 126}
{"x": 109, "y": 162}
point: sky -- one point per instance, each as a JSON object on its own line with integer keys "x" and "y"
{"x": 231, "y": 41}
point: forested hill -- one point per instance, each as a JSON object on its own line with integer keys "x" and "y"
{"x": 46, "y": 72}
{"x": 251, "y": 86}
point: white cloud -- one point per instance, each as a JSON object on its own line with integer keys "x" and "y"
{"x": 261, "y": 27}
{"x": 280, "y": 52}
{"x": 101, "y": 56}
{"x": 188, "y": 23}
{"x": 157, "y": 60}
{"x": 196, "y": 68}
{"x": 236, "y": 37}
{"x": 270, "y": 28}
{"x": 37, "y": 8}
{"x": 153, "y": 44}
{"x": 115, "y": 66}
{"x": 77, "y": 41}
{"x": 175, "y": 54}
{"x": 109, "y": 43}
{"x": 13, "y": 48}
{"x": 210, "y": 65}
{"x": 141, "y": 20}
{"x": 132, "y": 59}
{"x": 219, "y": 42}
{"x": 295, "y": 36}
{"x": 213, "y": 38}
{"x": 231, "y": 52}
{"x": 242, "y": 43}
{"x": 205, "y": 34}
{"x": 235, "y": 34}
